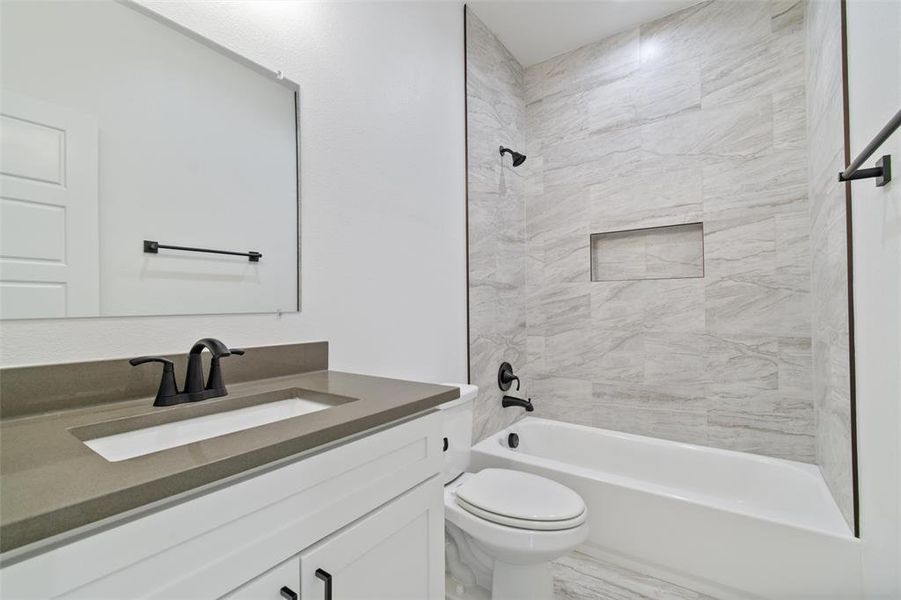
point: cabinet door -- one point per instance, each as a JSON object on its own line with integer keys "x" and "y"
{"x": 281, "y": 582}
{"x": 394, "y": 553}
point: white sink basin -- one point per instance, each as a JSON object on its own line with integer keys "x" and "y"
{"x": 139, "y": 442}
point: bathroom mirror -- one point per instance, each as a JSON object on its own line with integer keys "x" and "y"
{"x": 144, "y": 170}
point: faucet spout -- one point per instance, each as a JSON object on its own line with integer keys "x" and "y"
{"x": 194, "y": 377}
{"x": 514, "y": 401}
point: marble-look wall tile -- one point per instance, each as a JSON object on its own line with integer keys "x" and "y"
{"x": 561, "y": 399}
{"x": 763, "y": 423}
{"x": 704, "y": 30}
{"x": 613, "y": 105}
{"x": 700, "y": 117}
{"x": 769, "y": 184}
{"x": 831, "y": 380}
{"x": 743, "y": 128}
{"x": 497, "y": 220}
{"x": 787, "y": 15}
{"x": 666, "y": 92}
{"x": 789, "y": 118}
{"x": 677, "y": 425}
{"x": 656, "y": 190}
{"x": 767, "y": 65}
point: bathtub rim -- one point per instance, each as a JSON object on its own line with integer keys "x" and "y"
{"x": 494, "y": 445}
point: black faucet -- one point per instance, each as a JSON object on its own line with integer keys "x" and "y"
{"x": 195, "y": 390}
{"x": 514, "y": 401}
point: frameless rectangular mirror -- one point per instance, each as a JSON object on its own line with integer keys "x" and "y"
{"x": 144, "y": 170}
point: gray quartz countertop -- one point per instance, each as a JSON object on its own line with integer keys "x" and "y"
{"x": 51, "y": 483}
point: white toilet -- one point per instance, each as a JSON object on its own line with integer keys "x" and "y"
{"x": 503, "y": 527}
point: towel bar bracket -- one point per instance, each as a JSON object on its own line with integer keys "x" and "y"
{"x": 882, "y": 172}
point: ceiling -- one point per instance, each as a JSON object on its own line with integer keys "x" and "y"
{"x": 536, "y": 31}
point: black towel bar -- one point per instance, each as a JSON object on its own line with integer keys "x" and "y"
{"x": 152, "y": 247}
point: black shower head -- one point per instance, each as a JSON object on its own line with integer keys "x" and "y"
{"x": 518, "y": 158}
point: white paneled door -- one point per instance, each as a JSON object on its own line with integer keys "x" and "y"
{"x": 49, "y": 240}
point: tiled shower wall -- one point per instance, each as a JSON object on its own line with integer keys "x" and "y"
{"x": 496, "y": 115}
{"x": 697, "y": 117}
{"x": 828, "y": 238}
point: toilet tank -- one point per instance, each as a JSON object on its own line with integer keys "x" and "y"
{"x": 456, "y": 424}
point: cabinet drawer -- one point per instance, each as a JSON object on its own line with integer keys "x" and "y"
{"x": 278, "y": 583}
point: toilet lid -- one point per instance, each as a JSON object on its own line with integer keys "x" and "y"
{"x": 519, "y": 496}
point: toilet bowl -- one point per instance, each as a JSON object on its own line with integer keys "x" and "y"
{"x": 503, "y": 527}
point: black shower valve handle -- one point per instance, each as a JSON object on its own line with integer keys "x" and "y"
{"x": 505, "y": 377}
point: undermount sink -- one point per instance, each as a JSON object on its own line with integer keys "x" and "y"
{"x": 146, "y": 440}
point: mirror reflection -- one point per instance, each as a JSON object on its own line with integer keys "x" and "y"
{"x": 143, "y": 170}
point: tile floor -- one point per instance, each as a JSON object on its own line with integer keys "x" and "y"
{"x": 578, "y": 576}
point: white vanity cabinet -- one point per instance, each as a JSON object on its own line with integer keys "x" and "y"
{"x": 367, "y": 512}
{"x": 386, "y": 555}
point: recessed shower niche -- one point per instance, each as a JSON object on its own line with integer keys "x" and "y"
{"x": 668, "y": 252}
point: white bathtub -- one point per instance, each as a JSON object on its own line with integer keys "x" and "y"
{"x": 728, "y": 523}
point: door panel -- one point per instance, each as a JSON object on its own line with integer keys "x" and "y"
{"x": 49, "y": 240}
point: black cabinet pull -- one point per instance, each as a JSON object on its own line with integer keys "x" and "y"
{"x": 287, "y": 593}
{"x": 327, "y": 578}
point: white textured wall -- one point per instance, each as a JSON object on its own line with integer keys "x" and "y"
{"x": 382, "y": 166}
{"x": 828, "y": 252}
{"x": 874, "y": 77}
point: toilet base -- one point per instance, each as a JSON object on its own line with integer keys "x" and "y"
{"x": 521, "y": 582}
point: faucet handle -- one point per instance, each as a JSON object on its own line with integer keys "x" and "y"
{"x": 168, "y": 390}
{"x": 140, "y": 360}
{"x": 214, "y": 381}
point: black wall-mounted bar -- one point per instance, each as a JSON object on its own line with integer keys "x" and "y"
{"x": 883, "y": 169}
{"x": 151, "y": 247}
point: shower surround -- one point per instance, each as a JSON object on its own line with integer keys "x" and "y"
{"x": 699, "y": 117}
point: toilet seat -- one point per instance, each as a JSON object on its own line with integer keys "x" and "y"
{"x": 521, "y": 523}
{"x": 521, "y": 500}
